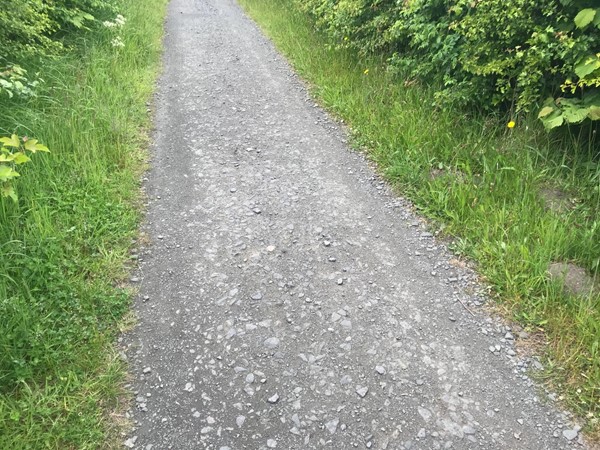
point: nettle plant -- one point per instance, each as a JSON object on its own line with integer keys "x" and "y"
{"x": 586, "y": 82}
{"x": 14, "y": 82}
{"x": 13, "y": 153}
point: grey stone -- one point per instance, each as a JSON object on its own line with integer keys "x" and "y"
{"x": 332, "y": 425}
{"x": 271, "y": 342}
{"x": 362, "y": 391}
{"x": 570, "y": 434}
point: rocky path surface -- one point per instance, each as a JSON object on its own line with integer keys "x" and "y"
{"x": 287, "y": 299}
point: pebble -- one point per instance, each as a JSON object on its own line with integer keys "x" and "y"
{"x": 240, "y": 420}
{"x": 147, "y": 370}
{"x": 272, "y": 343}
{"x": 332, "y": 425}
{"x": 273, "y": 399}
{"x": 130, "y": 443}
{"x": 362, "y": 391}
{"x": 380, "y": 370}
{"x": 570, "y": 434}
{"x": 256, "y": 296}
{"x": 272, "y": 443}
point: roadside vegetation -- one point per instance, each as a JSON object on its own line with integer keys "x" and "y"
{"x": 75, "y": 79}
{"x": 471, "y": 146}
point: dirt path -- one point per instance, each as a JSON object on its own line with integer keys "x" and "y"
{"x": 288, "y": 300}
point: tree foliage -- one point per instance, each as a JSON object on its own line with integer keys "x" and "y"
{"x": 524, "y": 54}
{"x": 38, "y": 27}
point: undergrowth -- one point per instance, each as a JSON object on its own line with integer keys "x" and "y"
{"x": 480, "y": 182}
{"x": 64, "y": 244}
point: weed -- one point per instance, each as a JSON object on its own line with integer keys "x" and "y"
{"x": 64, "y": 243}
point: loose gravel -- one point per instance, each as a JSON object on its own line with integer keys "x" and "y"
{"x": 287, "y": 298}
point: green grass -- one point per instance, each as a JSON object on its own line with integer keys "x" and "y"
{"x": 64, "y": 247}
{"x": 486, "y": 196}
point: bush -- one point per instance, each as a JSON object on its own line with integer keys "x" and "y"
{"x": 483, "y": 53}
{"x": 32, "y": 28}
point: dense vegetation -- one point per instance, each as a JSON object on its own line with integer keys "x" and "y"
{"x": 486, "y": 53}
{"x": 513, "y": 199}
{"x": 75, "y": 76}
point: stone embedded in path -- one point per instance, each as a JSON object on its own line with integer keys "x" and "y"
{"x": 362, "y": 391}
{"x": 271, "y": 343}
{"x": 332, "y": 425}
{"x": 570, "y": 434}
{"x": 273, "y": 399}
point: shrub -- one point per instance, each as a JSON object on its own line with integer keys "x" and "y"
{"x": 483, "y": 53}
{"x": 31, "y": 28}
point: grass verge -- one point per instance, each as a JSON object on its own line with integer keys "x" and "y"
{"x": 481, "y": 183}
{"x": 64, "y": 246}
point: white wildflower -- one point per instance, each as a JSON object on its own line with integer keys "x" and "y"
{"x": 109, "y": 24}
{"x": 120, "y": 20}
{"x": 117, "y": 42}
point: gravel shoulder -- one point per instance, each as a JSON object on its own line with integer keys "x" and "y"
{"x": 287, "y": 298}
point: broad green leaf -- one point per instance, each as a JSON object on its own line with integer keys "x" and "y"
{"x": 587, "y": 66}
{"x": 7, "y": 157}
{"x": 8, "y": 191}
{"x": 584, "y": 17}
{"x": 21, "y": 158}
{"x": 591, "y": 98}
{"x": 553, "y": 121}
{"x": 33, "y": 146}
{"x": 12, "y": 141}
{"x": 568, "y": 102}
{"x": 545, "y": 111}
{"x": 575, "y": 114}
{"x": 594, "y": 112}
{"x": 7, "y": 173}
{"x": 597, "y": 19}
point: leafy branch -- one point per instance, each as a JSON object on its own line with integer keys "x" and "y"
{"x": 13, "y": 153}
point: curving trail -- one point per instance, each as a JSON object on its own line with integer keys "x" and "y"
{"x": 287, "y": 299}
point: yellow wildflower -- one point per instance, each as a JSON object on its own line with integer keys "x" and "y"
{"x": 511, "y": 124}
{"x": 366, "y": 71}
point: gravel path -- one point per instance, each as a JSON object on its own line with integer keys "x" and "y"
{"x": 287, "y": 299}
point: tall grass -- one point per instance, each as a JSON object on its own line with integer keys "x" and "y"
{"x": 480, "y": 183}
{"x": 64, "y": 246}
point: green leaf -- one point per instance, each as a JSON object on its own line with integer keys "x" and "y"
{"x": 21, "y": 158}
{"x": 584, "y": 17}
{"x": 575, "y": 114}
{"x": 587, "y": 66}
{"x": 594, "y": 112}
{"x": 8, "y": 191}
{"x": 12, "y": 141}
{"x": 555, "y": 120}
{"x": 7, "y": 157}
{"x": 33, "y": 146}
{"x": 7, "y": 173}
{"x": 545, "y": 111}
{"x": 591, "y": 98}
